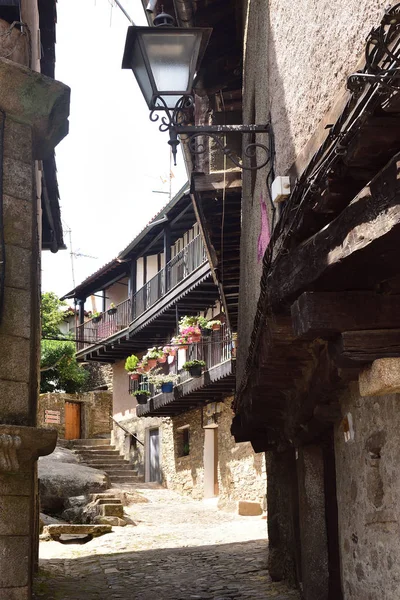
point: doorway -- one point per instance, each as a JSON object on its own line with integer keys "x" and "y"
{"x": 211, "y": 462}
{"x": 154, "y": 455}
{"x": 72, "y": 420}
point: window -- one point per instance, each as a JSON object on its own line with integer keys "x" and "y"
{"x": 183, "y": 441}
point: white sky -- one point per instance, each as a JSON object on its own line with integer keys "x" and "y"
{"x": 114, "y": 155}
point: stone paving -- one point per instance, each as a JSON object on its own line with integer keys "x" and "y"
{"x": 180, "y": 549}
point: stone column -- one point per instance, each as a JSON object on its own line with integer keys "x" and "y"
{"x": 33, "y": 119}
{"x": 312, "y": 518}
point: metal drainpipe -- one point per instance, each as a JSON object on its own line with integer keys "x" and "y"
{"x": 184, "y": 12}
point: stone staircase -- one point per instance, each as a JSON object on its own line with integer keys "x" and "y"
{"x": 100, "y": 454}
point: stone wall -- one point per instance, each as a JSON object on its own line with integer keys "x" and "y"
{"x": 34, "y": 110}
{"x": 96, "y": 409}
{"x": 297, "y": 56}
{"x": 368, "y": 467}
{"x": 241, "y": 472}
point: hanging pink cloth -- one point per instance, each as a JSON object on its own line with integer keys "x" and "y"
{"x": 265, "y": 235}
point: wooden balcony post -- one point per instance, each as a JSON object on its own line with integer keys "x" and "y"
{"x": 133, "y": 285}
{"x": 167, "y": 253}
{"x": 81, "y": 308}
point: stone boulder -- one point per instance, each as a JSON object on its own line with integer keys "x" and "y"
{"x": 60, "y": 480}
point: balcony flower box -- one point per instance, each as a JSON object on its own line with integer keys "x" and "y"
{"x": 112, "y": 309}
{"x": 141, "y": 396}
{"x": 151, "y": 363}
{"x": 134, "y": 376}
{"x": 194, "y": 367}
{"x": 162, "y": 359}
{"x": 96, "y": 317}
{"x": 167, "y": 388}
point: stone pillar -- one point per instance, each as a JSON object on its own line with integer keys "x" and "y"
{"x": 312, "y": 519}
{"x": 33, "y": 119}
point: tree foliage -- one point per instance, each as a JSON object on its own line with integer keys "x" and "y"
{"x": 59, "y": 369}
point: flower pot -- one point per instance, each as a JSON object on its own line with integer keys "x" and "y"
{"x": 112, "y": 311}
{"x": 96, "y": 319}
{"x": 162, "y": 359}
{"x": 167, "y": 388}
{"x": 134, "y": 376}
{"x": 141, "y": 398}
{"x": 195, "y": 371}
{"x": 195, "y": 339}
{"x": 151, "y": 363}
{"x": 216, "y": 327}
{"x": 184, "y": 347}
{"x": 147, "y": 368}
{"x": 205, "y": 332}
{"x": 172, "y": 352}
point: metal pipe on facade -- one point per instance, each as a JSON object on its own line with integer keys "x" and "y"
{"x": 184, "y": 12}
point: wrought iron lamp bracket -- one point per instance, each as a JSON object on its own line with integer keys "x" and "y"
{"x": 175, "y": 121}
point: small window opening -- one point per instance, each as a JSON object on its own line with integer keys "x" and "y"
{"x": 184, "y": 441}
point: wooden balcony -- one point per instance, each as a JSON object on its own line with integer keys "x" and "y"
{"x": 216, "y": 382}
{"x": 188, "y": 270}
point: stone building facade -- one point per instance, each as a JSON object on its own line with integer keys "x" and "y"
{"x": 33, "y": 119}
{"x": 95, "y": 410}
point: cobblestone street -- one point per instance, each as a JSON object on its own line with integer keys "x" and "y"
{"x": 179, "y": 549}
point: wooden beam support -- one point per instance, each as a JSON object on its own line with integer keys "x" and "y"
{"x": 367, "y": 230}
{"x": 367, "y": 346}
{"x": 326, "y": 314}
{"x": 202, "y": 182}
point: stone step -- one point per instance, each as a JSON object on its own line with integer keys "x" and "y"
{"x": 117, "y": 472}
{"x": 112, "y": 510}
{"x": 102, "y": 501}
{"x": 107, "y": 459}
{"x": 116, "y": 479}
{"x": 112, "y": 467}
{"x": 90, "y": 453}
{"x": 92, "y": 442}
{"x": 94, "y": 448}
{"x": 55, "y": 531}
{"x": 102, "y": 495}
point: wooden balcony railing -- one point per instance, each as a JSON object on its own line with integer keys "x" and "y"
{"x": 176, "y": 270}
{"x": 214, "y": 349}
{"x": 94, "y": 330}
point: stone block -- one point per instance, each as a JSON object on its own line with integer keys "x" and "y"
{"x": 14, "y": 358}
{"x": 14, "y": 511}
{"x": 37, "y": 101}
{"x": 381, "y": 378}
{"x": 17, "y": 222}
{"x": 17, "y": 593}
{"x": 17, "y": 180}
{"x": 17, "y": 312}
{"x": 249, "y": 509}
{"x": 112, "y": 510}
{"x": 55, "y": 531}
{"x": 14, "y": 403}
{"x": 18, "y": 267}
{"x": 14, "y": 560}
{"x": 113, "y": 521}
{"x": 18, "y": 141}
{"x": 18, "y": 484}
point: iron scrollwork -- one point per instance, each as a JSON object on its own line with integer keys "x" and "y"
{"x": 175, "y": 121}
{"x": 382, "y": 56}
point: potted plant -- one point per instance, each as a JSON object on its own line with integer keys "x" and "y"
{"x": 180, "y": 342}
{"x": 141, "y": 396}
{"x": 185, "y": 322}
{"x": 165, "y": 380}
{"x": 169, "y": 350}
{"x": 192, "y": 334}
{"x": 152, "y": 355}
{"x": 96, "y": 317}
{"x": 194, "y": 367}
{"x": 131, "y": 364}
{"x": 112, "y": 309}
{"x": 215, "y": 325}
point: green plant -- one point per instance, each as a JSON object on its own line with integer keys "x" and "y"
{"x": 185, "y": 322}
{"x": 211, "y": 324}
{"x": 131, "y": 363}
{"x": 158, "y": 378}
{"x": 96, "y": 315}
{"x": 189, "y": 364}
{"x": 186, "y": 450}
{"x": 141, "y": 393}
{"x": 154, "y": 353}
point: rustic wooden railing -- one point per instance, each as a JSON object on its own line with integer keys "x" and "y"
{"x": 176, "y": 270}
{"x": 214, "y": 349}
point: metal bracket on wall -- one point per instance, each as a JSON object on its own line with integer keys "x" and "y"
{"x": 175, "y": 122}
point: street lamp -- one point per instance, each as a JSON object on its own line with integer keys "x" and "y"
{"x": 165, "y": 60}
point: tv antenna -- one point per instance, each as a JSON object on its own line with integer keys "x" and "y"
{"x": 75, "y": 254}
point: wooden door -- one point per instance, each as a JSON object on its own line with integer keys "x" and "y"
{"x": 210, "y": 462}
{"x": 154, "y": 451}
{"x": 72, "y": 420}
